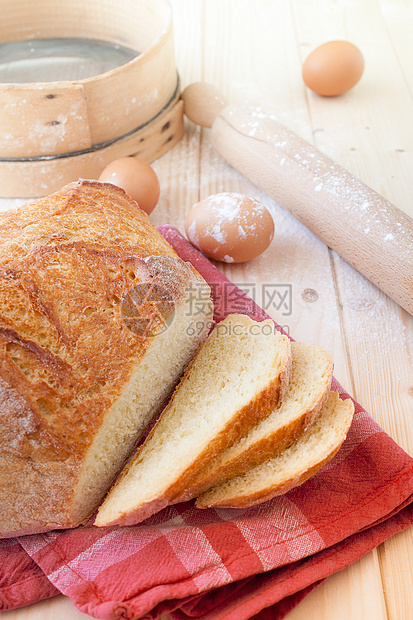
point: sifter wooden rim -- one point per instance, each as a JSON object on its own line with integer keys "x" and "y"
{"x": 101, "y": 145}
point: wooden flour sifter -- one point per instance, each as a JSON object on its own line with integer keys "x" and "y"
{"x": 53, "y": 132}
{"x": 362, "y": 226}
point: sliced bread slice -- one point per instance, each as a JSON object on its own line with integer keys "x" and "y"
{"x": 291, "y": 467}
{"x": 312, "y": 370}
{"x": 235, "y": 380}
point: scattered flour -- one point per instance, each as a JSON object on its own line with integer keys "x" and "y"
{"x": 228, "y": 207}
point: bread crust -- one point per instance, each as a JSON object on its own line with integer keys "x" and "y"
{"x": 264, "y": 496}
{"x": 267, "y": 446}
{"x": 250, "y": 414}
{"x": 289, "y": 481}
{"x": 244, "y": 419}
{"x": 264, "y": 449}
{"x": 66, "y": 264}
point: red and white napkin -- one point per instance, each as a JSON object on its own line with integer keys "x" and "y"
{"x": 213, "y": 564}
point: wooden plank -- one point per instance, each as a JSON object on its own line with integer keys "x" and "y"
{"x": 360, "y": 131}
{"x": 286, "y": 261}
{"x": 256, "y": 60}
{"x": 59, "y": 607}
{"x": 398, "y": 19}
{"x": 355, "y": 592}
{"x": 396, "y": 564}
{"x": 380, "y": 350}
{"x": 178, "y": 170}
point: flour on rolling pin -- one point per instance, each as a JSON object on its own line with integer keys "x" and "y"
{"x": 351, "y": 218}
{"x": 370, "y": 207}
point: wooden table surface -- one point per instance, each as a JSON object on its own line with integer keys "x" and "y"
{"x": 253, "y": 51}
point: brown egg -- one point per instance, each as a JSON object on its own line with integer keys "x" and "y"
{"x": 137, "y": 178}
{"x": 230, "y": 227}
{"x": 333, "y": 68}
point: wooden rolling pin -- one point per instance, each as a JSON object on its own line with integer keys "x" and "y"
{"x": 362, "y": 226}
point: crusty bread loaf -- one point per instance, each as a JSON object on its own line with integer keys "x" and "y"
{"x": 236, "y": 379}
{"x": 292, "y": 466}
{"x": 96, "y": 328}
{"x": 312, "y": 370}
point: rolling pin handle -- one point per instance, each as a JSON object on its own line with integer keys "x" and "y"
{"x": 202, "y": 103}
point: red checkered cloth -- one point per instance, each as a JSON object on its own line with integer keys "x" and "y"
{"x": 224, "y": 563}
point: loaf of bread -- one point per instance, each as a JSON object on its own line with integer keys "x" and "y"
{"x": 236, "y": 379}
{"x": 312, "y": 370}
{"x": 96, "y": 329}
{"x": 292, "y": 466}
